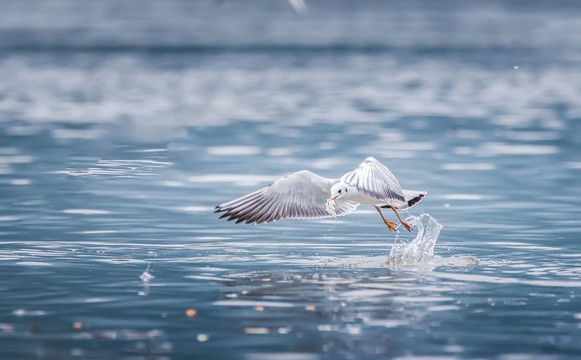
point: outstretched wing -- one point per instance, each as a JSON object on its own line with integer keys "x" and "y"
{"x": 374, "y": 179}
{"x": 299, "y": 195}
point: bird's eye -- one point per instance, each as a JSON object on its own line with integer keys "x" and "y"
{"x": 345, "y": 190}
{"x": 339, "y": 191}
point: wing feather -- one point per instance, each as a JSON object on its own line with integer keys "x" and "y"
{"x": 299, "y": 195}
{"x": 374, "y": 179}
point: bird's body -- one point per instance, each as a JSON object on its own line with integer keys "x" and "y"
{"x": 304, "y": 194}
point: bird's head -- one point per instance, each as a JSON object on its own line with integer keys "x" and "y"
{"x": 339, "y": 190}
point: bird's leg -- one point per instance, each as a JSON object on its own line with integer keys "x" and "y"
{"x": 390, "y": 225}
{"x": 402, "y": 222}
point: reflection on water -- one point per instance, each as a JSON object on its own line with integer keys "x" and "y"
{"x": 123, "y": 128}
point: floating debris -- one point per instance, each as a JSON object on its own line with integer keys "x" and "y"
{"x": 191, "y": 312}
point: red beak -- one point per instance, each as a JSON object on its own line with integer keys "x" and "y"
{"x": 333, "y": 198}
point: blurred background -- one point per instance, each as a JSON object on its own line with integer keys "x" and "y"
{"x": 124, "y": 122}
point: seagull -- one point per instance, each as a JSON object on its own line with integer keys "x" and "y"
{"x": 304, "y": 194}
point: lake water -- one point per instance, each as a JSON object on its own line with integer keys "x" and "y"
{"x": 122, "y": 125}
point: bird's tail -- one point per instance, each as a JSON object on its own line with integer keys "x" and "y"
{"x": 412, "y": 197}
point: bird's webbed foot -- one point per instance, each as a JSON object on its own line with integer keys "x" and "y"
{"x": 407, "y": 226}
{"x": 390, "y": 225}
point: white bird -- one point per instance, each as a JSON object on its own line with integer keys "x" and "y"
{"x": 304, "y": 195}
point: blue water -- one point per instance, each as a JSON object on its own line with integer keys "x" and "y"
{"x": 122, "y": 125}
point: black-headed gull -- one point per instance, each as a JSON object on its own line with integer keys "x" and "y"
{"x": 307, "y": 195}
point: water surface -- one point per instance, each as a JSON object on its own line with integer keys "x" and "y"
{"x": 123, "y": 126}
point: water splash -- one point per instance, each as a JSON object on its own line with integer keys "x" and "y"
{"x": 330, "y": 207}
{"x": 420, "y": 249}
{"x": 146, "y": 276}
{"x": 416, "y": 254}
